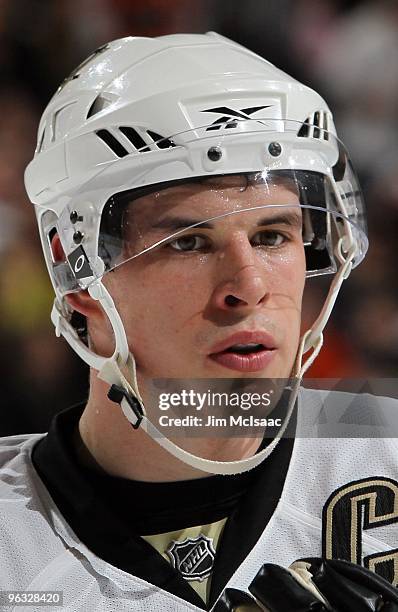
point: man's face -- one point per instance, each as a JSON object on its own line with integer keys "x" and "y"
{"x": 219, "y": 300}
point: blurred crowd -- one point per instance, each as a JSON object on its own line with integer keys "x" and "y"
{"x": 346, "y": 50}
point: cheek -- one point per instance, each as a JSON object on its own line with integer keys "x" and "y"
{"x": 161, "y": 303}
{"x": 289, "y": 277}
{"x": 288, "y": 294}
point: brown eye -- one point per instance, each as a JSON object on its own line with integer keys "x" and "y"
{"x": 270, "y": 239}
{"x": 188, "y": 243}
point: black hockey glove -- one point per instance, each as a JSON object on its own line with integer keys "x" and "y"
{"x": 314, "y": 585}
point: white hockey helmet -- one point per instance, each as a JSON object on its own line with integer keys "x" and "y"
{"x": 141, "y": 114}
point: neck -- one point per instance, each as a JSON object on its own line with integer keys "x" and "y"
{"x": 130, "y": 453}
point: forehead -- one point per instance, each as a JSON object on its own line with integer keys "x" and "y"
{"x": 210, "y": 197}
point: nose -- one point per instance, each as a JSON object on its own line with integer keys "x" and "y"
{"x": 243, "y": 284}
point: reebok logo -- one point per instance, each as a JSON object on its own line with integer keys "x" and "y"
{"x": 230, "y": 117}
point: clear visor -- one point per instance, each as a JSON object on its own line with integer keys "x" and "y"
{"x": 272, "y": 211}
{"x": 256, "y": 180}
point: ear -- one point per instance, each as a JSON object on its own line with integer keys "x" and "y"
{"x": 57, "y": 250}
{"x": 81, "y": 301}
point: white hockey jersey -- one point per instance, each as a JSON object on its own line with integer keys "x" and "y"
{"x": 340, "y": 498}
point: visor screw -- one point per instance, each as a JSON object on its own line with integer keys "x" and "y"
{"x": 274, "y": 149}
{"x": 214, "y": 153}
{"x": 75, "y": 217}
{"x": 78, "y": 237}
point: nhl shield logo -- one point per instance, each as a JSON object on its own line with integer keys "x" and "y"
{"x": 193, "y": 557}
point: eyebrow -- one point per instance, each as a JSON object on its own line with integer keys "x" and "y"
{"x": 175, "y": 223}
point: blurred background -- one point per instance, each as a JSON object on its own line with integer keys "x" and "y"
{"x": 348, "y": 51}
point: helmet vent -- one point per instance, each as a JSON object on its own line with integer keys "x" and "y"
{"x": 135, "y": 138}
{"x": 41, "y": 141}
{"x": 315, "y": 126}
{"x": 112, "y": 143}
{"x": 143, "y": 146}
{"x": 99, "y": 104}
{"x": 160, "y": 141}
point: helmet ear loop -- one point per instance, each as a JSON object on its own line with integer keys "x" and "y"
{"x": 99, "y": 292}
{"x": 122, "y": 361}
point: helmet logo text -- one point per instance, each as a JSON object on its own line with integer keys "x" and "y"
{"x": 79, "y": 263}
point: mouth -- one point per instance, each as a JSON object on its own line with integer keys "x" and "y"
{"x": 245, "y": 351}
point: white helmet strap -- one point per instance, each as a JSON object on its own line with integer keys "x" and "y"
{"x": 111, "y": 373}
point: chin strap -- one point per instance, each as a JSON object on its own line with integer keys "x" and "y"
{"x": 132, "y": 406}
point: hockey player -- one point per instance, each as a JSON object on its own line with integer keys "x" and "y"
{"x": 185, "y": 191}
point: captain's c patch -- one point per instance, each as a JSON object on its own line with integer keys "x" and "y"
{"x": 356, "y": 507}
